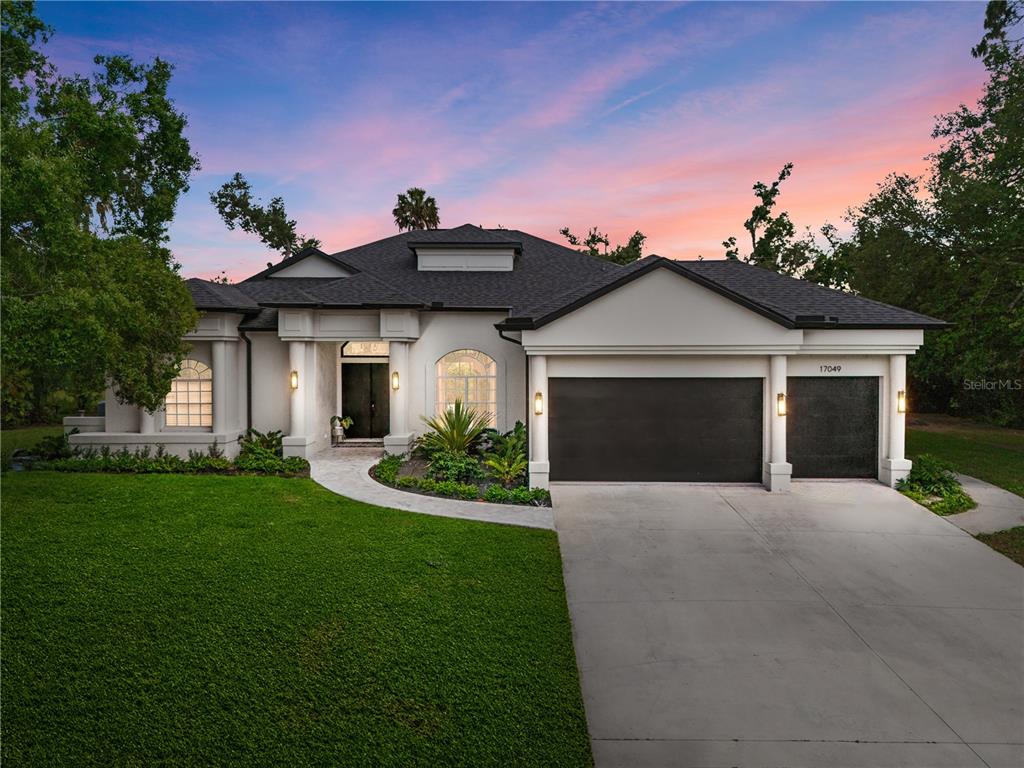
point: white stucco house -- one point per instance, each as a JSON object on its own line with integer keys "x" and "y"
{"x": 661, "y": 370}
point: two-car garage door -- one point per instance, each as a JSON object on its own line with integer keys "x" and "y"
{"x": 707, "y": 429}
{"x": 655, "y": 429}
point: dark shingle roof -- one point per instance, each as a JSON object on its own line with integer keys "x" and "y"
{"x": 467, "y": 234}
{"x": 548, "y": 281}
{"x": 208, "y": 295}
{"x": 786, "y": 300}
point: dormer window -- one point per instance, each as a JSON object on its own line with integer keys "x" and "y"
{"x": 465, "y": 249}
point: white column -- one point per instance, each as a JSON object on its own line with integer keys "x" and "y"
{"x": 777, "y": 470}
{"x": 297, "y": 363}
{"x": 540, "y": 466}
{"x": 895, "y": 466}
{"x": 147, "y": 422}
{"x": 221, "y": 387}
{"x": 399, "y": 437}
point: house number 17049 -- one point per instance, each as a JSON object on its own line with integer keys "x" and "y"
{"x": 831, "y": 368}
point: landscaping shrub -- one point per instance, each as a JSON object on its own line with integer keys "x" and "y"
{"x": 456, "y": 430}
{"x": 143, "y": 461}
{"x": 498, "y": 494}
{"x": 270, "y": 441}
{"x": 386, "y": 470}
{"x": 454, "y": 467}
{"x": 933, "y": 484}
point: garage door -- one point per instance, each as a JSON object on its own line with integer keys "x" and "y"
{"x": 648, "y": 430}
{"x": 832, "y": 426}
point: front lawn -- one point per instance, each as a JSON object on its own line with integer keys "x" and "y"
{"x": 265, "y": 621}
{"x": 992, "y": 454}
{"x": 1010, "y": 543}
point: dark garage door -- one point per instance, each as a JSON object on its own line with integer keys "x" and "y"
{"x": 649, "y": 430}
{"x": 832, "y": 426}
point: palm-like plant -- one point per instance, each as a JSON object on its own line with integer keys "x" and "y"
{"x": 416, "y": 210}
{"x": 455, "y": 430}
{"x": 508, "y": 466}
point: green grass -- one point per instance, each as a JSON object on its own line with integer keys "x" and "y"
{"x": 24, "y": 437}
{"x": 988, "y": 453}
{"x": 1010, "y": 543}
{"x": 264, "y": 621}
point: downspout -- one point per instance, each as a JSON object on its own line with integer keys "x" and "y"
{"x": 248, "y": 379}
{"x": 526, "y": 388}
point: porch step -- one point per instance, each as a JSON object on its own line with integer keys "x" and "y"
{"x": 361, "y": 442}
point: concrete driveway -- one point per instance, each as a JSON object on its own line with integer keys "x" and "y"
{"x": 837, "y": 625}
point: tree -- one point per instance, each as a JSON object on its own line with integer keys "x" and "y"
{"x": 236, "y": 206}
{"x": 951, "y": 244}
{"x": 596, "y": 244}
{"x": 773, "y": 241}
{"x": 416, "y": 210}
{"x": 92, "y": 170}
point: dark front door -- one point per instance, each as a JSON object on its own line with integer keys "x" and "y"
{"x": 366, "y": 399}
{"x": 640, "y": 430}
{"x": 832, "y": 426}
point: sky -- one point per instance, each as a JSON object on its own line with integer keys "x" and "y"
{"x": 624, "y": 116}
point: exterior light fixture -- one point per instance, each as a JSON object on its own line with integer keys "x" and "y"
{"x": 538, "y": 404}
{"x": 780, "y": 403}
{"x": 901, "y": 402}
{"x": 394, "y": 380}
{"x": 293, "y": 379}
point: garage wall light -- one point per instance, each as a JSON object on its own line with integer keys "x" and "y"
{"x": 293, "y": 379}
{"x": 901, "y": 402}
{"x": 394, "y": 380}
{"x": 780, "y": 404}
{"x": 538, "y": 404}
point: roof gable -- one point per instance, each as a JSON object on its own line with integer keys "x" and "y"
{"x": 661, "y": 308}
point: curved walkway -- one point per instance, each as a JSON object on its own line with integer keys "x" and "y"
{"x": 997, "y": 509}
{"x": 345, "y": 471}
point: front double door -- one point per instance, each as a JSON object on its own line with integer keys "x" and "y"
{"x": 365, "y": 399}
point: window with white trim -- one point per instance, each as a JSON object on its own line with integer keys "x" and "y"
{"x": 190, "y": 401}
{"x": 470, "y": 376}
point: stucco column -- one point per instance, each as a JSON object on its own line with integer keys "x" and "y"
{"x": 540, "y": 466}
{"x": 147, "y": 422}
{"x": 221, "y": 386}
{"x": 895, "y": 466}
{"x": 297, "y": 411}
{"x": 399, "y": 437}
{"x": 777, "y": 470}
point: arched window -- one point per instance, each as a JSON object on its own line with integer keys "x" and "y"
{"x": 470, "y": 376}
{"x": 190, "y": 401}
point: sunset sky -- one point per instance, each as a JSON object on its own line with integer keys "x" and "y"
{"x": 656, "y": 117}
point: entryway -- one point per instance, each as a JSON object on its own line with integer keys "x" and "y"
{"x": 365, "y": 398}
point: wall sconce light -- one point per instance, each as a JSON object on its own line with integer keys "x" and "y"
{"x": 538, "y": 404}
{"x": 780, "y": 403}
{"x": 293, "y": 379}
{"x": 901, "y": 402}
{"x": 394, "y": 380}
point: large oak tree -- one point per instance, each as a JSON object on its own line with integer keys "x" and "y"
{"x": 92, "y": 169}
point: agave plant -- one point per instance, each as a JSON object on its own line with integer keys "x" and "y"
{"x": 455, "y": 430}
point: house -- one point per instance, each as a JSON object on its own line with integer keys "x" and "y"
{"x": 661, "y": 370}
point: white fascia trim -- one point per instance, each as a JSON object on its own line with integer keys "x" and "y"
{"x": 690, "y": 349}
{"x": 697, "y": 349}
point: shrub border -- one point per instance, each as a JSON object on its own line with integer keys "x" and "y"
{"x": 387, "y": 475}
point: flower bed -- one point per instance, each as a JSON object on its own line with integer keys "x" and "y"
{"x": 259, "y": 455}
{"x": 386, "y": 471}
{"x": 933, "y": 484}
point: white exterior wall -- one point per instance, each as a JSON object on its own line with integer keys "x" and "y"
{"x": 270, "y": 391}
{"x": 325, "y": 394}
{"x": 444, "y": 332}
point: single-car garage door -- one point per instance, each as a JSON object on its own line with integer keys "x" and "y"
{"x": 649, "y": 430}
{"x": 832, "y": 426}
